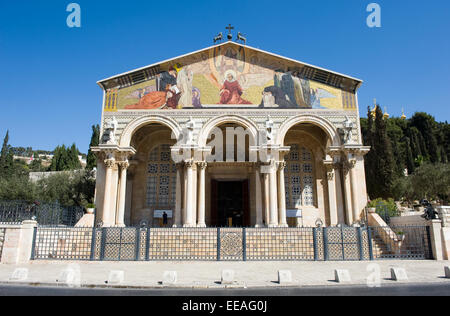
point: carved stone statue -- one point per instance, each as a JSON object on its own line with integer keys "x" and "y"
{"x": 347, "y": 130}
{"x": 269, "y": 130}
{"x": 190, "y": 126}
{"x": 430, "y": 213}
{"x": 110, "y": 130}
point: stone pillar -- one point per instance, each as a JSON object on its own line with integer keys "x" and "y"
{"x": 332, "y": 194}
{"x": 266, "y": 199}
{"x": 201, "y": 194}
{"x": 354, "y": 186}
{"x": 107, "y": 205}
{"x": 281, "y": 195}
{"x": 120, "y": 218}
{"x": 18, "y": 243}
{"x": 436, "y": 239}
{"x": 258, "y": 198}
{"x": 189, "y": 207}
{"x": 178, "y": 197}
{"x": 347, "y": 193}
{"x": 273, "y": 198}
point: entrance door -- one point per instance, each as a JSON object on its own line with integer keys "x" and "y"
{"x": 229, "y": 204}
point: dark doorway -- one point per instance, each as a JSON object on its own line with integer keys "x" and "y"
{"x": 229, "y": 203}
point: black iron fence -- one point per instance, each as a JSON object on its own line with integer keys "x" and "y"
{"x": 46, "y": 214}
{"x": 231, "y": 244}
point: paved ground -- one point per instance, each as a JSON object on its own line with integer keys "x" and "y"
{"x": 202, "y": 275}
{"x": 428, "y": 289}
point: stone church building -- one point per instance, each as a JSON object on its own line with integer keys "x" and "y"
{"x": 230, "y": 135}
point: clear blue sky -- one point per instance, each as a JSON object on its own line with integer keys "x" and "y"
{"x": 48, "y": 91}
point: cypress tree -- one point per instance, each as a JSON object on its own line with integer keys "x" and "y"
{"x": 91, "y": 160}
{"x": 384, "y": 171}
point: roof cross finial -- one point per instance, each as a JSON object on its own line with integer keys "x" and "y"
{"x": 229, "y": 28}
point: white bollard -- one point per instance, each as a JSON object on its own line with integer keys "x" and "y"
{"x": 342, "y": 276}
{"x": 19, "y": 274}
{"x": 169, "y": 278}
{"x": 447, "y": 272}
{"x": 71, "y": 276}
{"x": 398, "y": 274}
{"x": 284, "y": 277}
{"x": 116, "y": 277}
{"x": 227, "y": 277}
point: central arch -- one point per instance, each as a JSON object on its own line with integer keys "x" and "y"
{"x": 135, "y": 125}
{"x": 323, "y": 123}
{"x": 211, "y": 124}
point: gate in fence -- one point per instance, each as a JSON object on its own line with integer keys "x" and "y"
{"x": 231, "y": 244}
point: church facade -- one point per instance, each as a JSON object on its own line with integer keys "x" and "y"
{"x": 227, "y": 136}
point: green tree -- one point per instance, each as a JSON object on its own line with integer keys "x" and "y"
{"x": 6, "y": 158}
{"x": 65, "y": 159}
{"x": 91, "y": 161}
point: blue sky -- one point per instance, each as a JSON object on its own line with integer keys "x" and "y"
{"x": 48, "y": 91}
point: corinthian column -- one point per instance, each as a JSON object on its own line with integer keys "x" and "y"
{"x": 354, "y": 185}
{"x": 281, "y": 195}
{"x": 258, "y": 197}
{"x": 107, "y": 208}
{"x": 273, "y": 195}
{"x": 201, "y": 194}
{"x": 189, "y": 207}
{"x": 332, "y": 193}
{"x": 347, "y": 192}
{"x": 178, "y": 197}
{"x": 120, "y": 218}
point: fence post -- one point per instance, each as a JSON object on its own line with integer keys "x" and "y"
{"x": 138, "y": 243}
{"x": 325, "y": 244}
{"x": 244, "y": 244}
{"x": 147, "y": 247}
{"x": 316, "y": 255}
{"x": 102, "y": 244}
{"x": 94, "y": 238}
{"x": 218, "y": 243}
{"x": 360, "y": 245}
{"x": 369, "y": 242}
{"x": 33, "y": 247}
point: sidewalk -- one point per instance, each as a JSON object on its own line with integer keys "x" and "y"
{"x": 207, "y": 274}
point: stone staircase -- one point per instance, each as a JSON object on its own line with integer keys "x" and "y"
{"x": 380, "y": 249}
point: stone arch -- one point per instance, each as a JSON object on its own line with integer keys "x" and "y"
{"x": 323, "y": 123}
{"x": 136, "y": 124}
{"x": 217, "y": 121}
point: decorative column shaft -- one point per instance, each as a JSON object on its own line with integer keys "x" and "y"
{"x": 107, "y": 207}
{"x": 178, "y": 197}
{"x": 266, "y": 199}
{"x": 273, "y": 196}
{"x": 347, "y": 193}
{"x": 281, "y": 195}
{"x": 258, "y": 198}
{"x": 332, "y": 194}
{"x": 120, "y": 217}
{"x": 201, "y": 194}
{"x": 189, "y": 194}
{"x": 354, "y": 185}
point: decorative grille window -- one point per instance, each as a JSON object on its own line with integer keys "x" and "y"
{"x": 161, "y": 179}
{"x": 299, "y": 177}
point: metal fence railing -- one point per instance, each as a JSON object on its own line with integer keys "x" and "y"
{"x": 230, "y": 244}
{"x": 46, "y": 214}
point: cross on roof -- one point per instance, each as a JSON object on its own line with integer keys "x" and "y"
{"x": 229, "y": 28}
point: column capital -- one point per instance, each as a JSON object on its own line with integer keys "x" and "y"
{"x": 202, "y": 165}
{"x": 109, "y": 163}
{"x": 124, "y": 164}
{"x": 189, "y": 163}
{"x": 281, "y": 165}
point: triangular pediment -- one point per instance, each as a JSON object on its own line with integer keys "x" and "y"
{"x": 229, "y": 74}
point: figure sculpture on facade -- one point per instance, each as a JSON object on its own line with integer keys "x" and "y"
{"x": 347, "y": 131}
{"x": 430, "y": 213}
{"x": 269, "y": 130}
{"x": 110, "y": 130}
{"x": 190, "y": 126}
